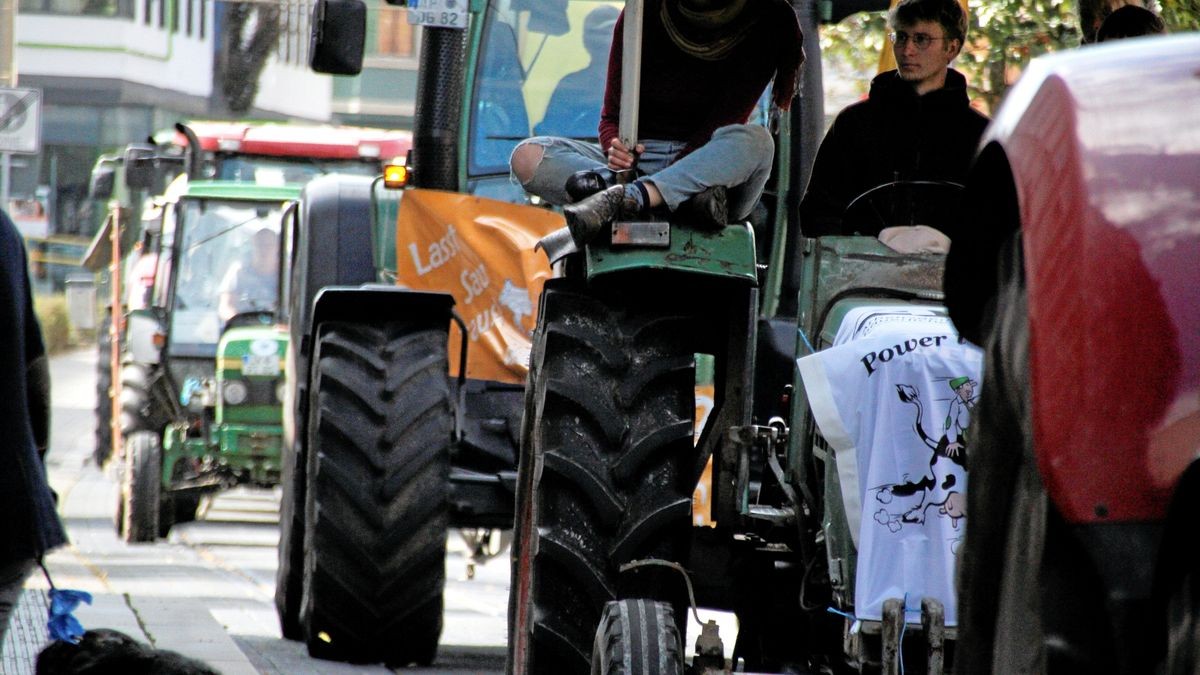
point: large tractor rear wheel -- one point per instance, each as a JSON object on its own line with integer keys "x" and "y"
{"x": 606, "y": 470}
{"x": 141, "y": 487}
{"x": 638, "y": 637}
{"x": 376, "y": 512}
{"x": 289, "y": 575}
{"x": 104, "y": 402}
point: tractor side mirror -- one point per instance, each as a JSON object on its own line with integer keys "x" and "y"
{"x": 100, "y": 187}
{"x": 139, "y": 166}
{"x": 339, "y": 33}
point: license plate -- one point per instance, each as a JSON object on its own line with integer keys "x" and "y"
{"x": 260, "y": 364}
{"x": 444, "y": 13}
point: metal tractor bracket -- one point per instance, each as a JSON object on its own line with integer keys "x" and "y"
{"x": 769, "y": 440}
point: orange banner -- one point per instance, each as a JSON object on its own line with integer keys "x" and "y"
{"x": 480, "y": 251}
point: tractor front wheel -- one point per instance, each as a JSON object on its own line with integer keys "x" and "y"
{"x": 637, "y": 637}
{"x": 377, "y": 511}
{"x": 606, "y": 470}
{"x": 141, "y": 487}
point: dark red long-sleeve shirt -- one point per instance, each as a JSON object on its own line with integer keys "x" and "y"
{"x": 686, "y": 98}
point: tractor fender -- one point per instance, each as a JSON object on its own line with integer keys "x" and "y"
{"x": 376, "y": 303}
{"x": 727, "y": 253}
{"x": 333, "y": 243}
{"x": 367, "y": 304}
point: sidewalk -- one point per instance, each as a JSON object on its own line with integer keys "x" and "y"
{"x": 153, "y": 602}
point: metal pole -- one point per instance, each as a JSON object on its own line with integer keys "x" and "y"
{"x": 631, "y": 83}
{"x": 8, "y": 78}
{"x": 8, "y": 46}
{"x": 5, "y": 175}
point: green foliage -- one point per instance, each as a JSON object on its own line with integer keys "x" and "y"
{"x": 1181, "y": 15}
{"x": 51, "y": 312}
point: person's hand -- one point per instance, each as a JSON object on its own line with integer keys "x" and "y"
{"x": 953, "y": 448}
{"x": 620, "y": 158}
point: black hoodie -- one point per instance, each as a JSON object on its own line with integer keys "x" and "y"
{"x": 892, "y": 135}
{"x": 29, "y": 525}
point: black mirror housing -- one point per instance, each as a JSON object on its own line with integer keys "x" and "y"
{"x": 139, "y": 166}
{"x": 339, "y": 32}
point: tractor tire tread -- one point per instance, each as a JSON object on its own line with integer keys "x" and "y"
{"x": 377, "y": 514}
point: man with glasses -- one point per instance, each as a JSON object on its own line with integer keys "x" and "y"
{"x": 916, "y": 124}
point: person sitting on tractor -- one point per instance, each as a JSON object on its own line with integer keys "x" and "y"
{"x": 253, "y": 286}
{"x": 707, "y": 64}
{"x": 916, "y": 124}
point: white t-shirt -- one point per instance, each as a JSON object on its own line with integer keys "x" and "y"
{"x": 882, "y": 397}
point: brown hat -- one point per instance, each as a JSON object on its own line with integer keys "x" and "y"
{"x": 708, "y": 29}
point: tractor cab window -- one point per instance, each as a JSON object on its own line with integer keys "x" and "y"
{"x": 541, "y": 71}
{"x": 277, "y": 171}
{"x": 228, "y": 264}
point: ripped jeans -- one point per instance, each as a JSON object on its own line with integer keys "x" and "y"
{"x": 738, "y": 156}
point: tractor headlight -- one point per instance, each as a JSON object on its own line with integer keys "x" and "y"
{"x": 234, "y": 392}
{"x": 280, "y": 390}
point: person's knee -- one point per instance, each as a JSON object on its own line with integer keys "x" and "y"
{"x": 754, "y": 140}
{"x": 525, "y": 160}
{"x": 760, "y": 144}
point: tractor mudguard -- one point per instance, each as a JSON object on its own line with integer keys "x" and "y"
{"x": 728, "y": 253}
{"x": 371, "y": 304}
{"x": 333, "y": 244}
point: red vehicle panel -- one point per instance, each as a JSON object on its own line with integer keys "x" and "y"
{"x": 294, "y": 140}
{"x": 1104, "y": 145}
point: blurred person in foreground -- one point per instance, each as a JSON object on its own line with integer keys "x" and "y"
{"x": 29, "y": 524}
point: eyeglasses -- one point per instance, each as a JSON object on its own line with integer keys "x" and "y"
{"x": 920, "y": 40}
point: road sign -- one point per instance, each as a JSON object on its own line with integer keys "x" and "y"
{"x": 444, "y": 13}
{"x": 20, "y": 120}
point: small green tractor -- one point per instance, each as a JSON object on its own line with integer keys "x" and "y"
{"x": 199, "y": 384}
{"x": 606, "y": 560}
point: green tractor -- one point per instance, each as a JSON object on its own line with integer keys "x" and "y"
{"x": 199, "y": 387}
{"x": 130, "y": 189}
{"x": 397, "y": 430}
{"x": 607, "y": 560}
{"x": 608, "y": 462}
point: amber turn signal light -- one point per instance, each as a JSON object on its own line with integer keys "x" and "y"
{"x": 395, "y": 176}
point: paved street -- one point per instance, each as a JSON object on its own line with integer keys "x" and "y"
{"x": 208, "y": 590}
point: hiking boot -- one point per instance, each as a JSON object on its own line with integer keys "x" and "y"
{"x": 706, "y": 210}
{"x": 584, "y": 184}
{"x": 587, "y": 218}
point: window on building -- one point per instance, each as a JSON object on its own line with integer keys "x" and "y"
{"x": 190, "y": 18}
{"x": 162, "y": 13}
{"x": 115, "y": 8}
{"x": 203, "y": 17}
{"x": 147, "y": 10}
{"x": 394, "y": 36}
